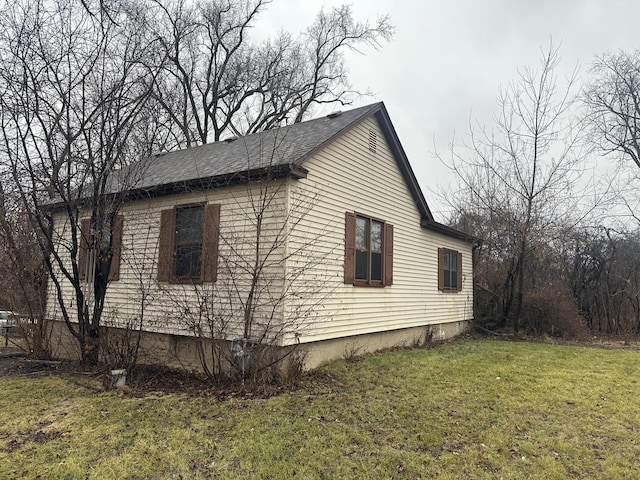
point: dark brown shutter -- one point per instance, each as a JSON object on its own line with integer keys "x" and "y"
{"x": 441, "y": 269}
{"x": 210, "y": 243}
{"x": 85, "y": 233}
{"x": 116, "y": 247}
{"x": 349, "y": 247}
{"x": 165, "y": 245}
{"x": 459, "y": 271}
{"x": 388, "y": 254}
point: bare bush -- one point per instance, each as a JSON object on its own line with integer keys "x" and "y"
{"x": 554, "y": 313}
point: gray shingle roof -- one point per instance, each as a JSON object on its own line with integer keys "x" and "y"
{"x": 285, "y": 147}
{"x": 289, "y": 145}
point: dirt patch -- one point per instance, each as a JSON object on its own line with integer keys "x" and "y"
{"x": 158, "y": 380}
{"x": 20, "y": 365}
{"x": 19, "y": 439}
{"x": 145, "y": 378}
{"x": 143, "y": 381}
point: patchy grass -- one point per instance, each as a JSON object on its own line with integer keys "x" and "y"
{"x": 468, "y": 409}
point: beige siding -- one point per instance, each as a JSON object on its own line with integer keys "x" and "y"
{"x": 182, "y": 309}
{"x": 347, "y": 176}
{"x": 302, "y": 294}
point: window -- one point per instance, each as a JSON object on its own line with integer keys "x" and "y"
{"x": 368, "y": 251}
{"x": 87, "y": 252}
{"x": 188, "y": 250}
{"x": 449, "y": 270}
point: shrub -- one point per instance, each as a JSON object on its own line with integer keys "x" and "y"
{"x": 552, "y": 312}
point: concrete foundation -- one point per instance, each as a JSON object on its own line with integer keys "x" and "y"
{"x": 194, "y": 354}
{"x": 324, "y": 351}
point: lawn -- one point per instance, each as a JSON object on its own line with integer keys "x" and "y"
{"x": 467, "y": 409}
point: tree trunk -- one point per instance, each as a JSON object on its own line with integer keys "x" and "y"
{"x": 517, "y": 304}
{"x": 91, "y": 348}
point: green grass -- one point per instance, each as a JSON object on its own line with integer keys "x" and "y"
{"x": 469, "y": 409}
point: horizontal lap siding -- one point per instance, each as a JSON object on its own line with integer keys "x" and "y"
{"x": 346, "y": 176}
{"x": 166, "y": 303}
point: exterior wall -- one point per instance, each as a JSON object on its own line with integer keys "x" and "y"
{"x": 303, "y": 295}
{"x": 185, "y": 309}
{"x": 347, "y": 176}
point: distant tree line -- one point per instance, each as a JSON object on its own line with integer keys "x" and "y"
{"x": 560, "y": 251}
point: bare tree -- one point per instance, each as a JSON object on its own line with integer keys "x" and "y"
{"x": 606, "y": 280}
{"x": 263, "y": 298}
{"x": 74, "y": 80}
{"x": 88, "y": 87}
{"x": 613, "y": 101}
{"x": 520, "y": 178}
{"x": 22, "y": 274}
{"x": 218, "y": 81}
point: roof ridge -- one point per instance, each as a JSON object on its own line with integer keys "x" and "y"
{"x": 284, "y": 149}
{"x": 370, "y": 108}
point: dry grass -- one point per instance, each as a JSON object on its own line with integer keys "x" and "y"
{"x": 469, "y": 409}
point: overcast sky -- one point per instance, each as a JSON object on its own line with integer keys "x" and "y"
{"x": 448, "y": 59}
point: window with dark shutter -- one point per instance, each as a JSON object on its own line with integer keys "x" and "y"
{"x": 368, "y": 251}
{"x": 83, "y": 251}
{"x": 188, "y": 244}
{"x": 116, "y": 248}
{"x": 165, "y": 245}
{"x": 210, "y": 243}
{"x": 449, "y": 270}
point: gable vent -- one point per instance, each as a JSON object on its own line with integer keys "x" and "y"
{"x": 373, "y": 141}
{"x": 335, "y": 114}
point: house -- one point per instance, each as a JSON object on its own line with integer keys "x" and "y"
{"x": 315, "y": 234}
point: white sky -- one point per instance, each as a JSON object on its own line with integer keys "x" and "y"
{"x": 448, "y": 59}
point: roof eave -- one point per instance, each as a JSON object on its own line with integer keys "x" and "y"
{"x": 403, "y": 162}
{"x": 449, "y": 231}
{"x": 220, "y": 181}
{"x": 274, "y": 172}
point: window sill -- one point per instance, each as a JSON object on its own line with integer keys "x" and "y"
{"x": 370, "y": 285}
{"x": 186, "y": 281}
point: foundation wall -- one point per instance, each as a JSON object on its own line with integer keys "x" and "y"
{"x": 318, "y": 353}
{"x": 177, "y": 351}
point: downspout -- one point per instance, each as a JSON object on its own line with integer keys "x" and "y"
{"x": 474, "y": 259}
